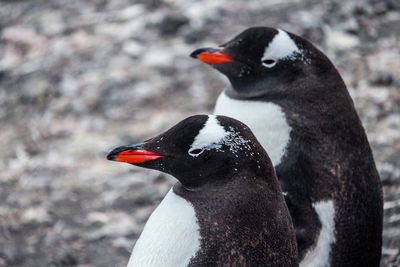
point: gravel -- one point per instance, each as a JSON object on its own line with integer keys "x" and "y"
{"x": 78, "y": 78}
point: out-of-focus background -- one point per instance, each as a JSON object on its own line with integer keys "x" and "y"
{"x": 78, "y": 78}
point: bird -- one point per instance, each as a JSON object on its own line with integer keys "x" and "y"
{"x": 226, "y": 208}
{"x": 297, "y": 105}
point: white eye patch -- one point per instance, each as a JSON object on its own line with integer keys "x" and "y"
{"x": 209, "y": 137}
{"x": 281, "y": 47}
{"x": 213, "y": 136}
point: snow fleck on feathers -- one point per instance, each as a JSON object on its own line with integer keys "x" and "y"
{"x": 213, "y": 136}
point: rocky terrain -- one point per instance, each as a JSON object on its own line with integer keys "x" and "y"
{"x": 78, "y": 78}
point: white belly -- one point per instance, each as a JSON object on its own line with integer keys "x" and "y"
{"x": 170, "y": 237}
{"x": 266, "y": 120}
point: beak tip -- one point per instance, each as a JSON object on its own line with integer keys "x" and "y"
{"x": 111, "y": 156}
{"x": 114, "y": 153}
{"x": 195, "y": 53}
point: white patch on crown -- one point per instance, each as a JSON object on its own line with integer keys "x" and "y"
{"x": 319, "y": 256}
{"x": 210, "y": 136}
{"x": 213, "y": 136}
{"x": 265, "y": 119}
{"x": 170, "y": 237}
{"x": 281, "y": 47}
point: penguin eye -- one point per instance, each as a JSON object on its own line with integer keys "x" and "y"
{"x": 269, "y": 63}
{"x": 195, "y": 152}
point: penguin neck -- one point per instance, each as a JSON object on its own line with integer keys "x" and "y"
{"x": 249, "y": 90}
{"x": 246, "y": 188}
{"x": 311, "y": 111}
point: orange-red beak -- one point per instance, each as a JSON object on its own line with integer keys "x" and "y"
{"x": 132, "y": 155}
{"x": 211, "y": 56}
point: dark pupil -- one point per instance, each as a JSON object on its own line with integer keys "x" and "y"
{"x": 269, "y": 61}
{"x": 195, "y": 151}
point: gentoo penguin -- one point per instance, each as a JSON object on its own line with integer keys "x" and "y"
{"x": 227, "y": 208}
{"x": 297, "y": 105}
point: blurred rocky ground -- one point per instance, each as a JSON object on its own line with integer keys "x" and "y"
{"x": 78, "y": 78}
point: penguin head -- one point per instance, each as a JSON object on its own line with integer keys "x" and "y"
{"x": 263, "y": 60}
{"x": 202, "y": 149}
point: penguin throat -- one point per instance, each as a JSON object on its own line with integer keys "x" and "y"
{"x": 239, "y": 91}
{"x": 266, "y": 88}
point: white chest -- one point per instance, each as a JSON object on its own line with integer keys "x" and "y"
{"x": 170, "y": 237}
{"x": 266, "y": 120}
